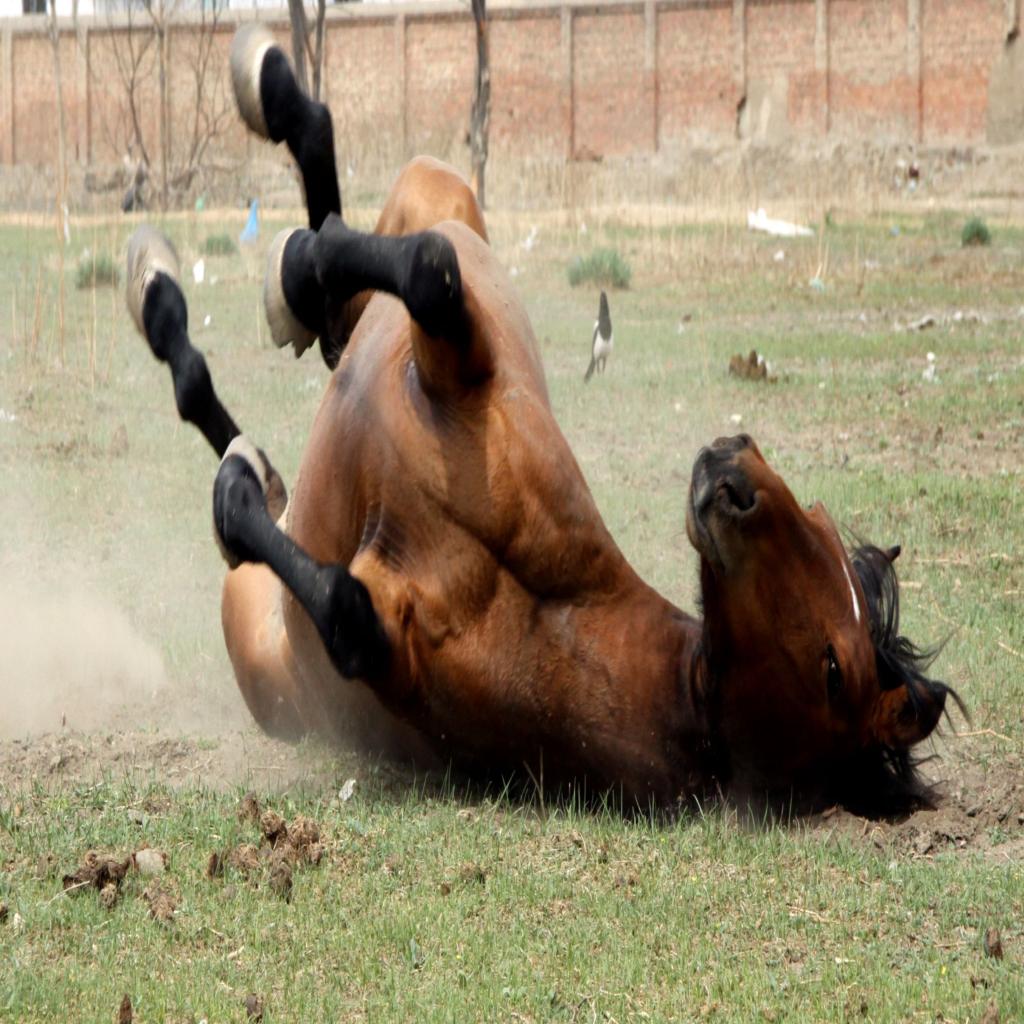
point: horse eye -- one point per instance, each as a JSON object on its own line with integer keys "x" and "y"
{"x": 835, "y": 674}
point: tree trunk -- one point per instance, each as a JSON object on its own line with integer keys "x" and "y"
{"x": 318, "y": 53}
{"x": 480, "y": 118}
{"x": 300, "y": 37}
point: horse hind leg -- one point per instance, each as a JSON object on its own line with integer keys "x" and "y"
{"x": 274, "y": 106}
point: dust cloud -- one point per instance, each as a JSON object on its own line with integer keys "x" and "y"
{"x": 72, "y": 660}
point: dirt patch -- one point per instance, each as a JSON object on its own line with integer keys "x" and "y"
{"x": 225, "y": 762}
{"x": 979, "y": 809}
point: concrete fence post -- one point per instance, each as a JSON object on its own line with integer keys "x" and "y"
{"x": 914, "y": 67}
{"x": 822, "y": 62}
{"x": 84, "y": 132}
{"x": 739, "y": 58}
{"x": 567, "y": 81}
{"x": 401, "y": 57}
{"x": 651, "y": 65}
{"x": 7, "y": 93}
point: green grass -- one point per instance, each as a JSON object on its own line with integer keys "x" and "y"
{"x": 579, "y": 916}
{"x": 219, "y": 245}
{"x": 602, "y": 267}
{"x": 95, "y": 270}
{"x": 430, "y": 907}
{"x": 975, "y": 232}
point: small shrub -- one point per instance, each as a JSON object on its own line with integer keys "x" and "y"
{"x": 975, "y": 232}
{"x": 96, "y": 271}
{"x": 219, "y": 245}
{"x": 603, "y": 266}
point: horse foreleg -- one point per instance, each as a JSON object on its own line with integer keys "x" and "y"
{"x": 157, "y": 306}
{"x": 338, "y": 604}
{"x": 423, "y": 271}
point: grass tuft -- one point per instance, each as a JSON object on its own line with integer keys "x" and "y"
{"x": 94, "y": 271}
{"x": 605, "y": 267}
{"x": 219, "y": 245}
{"x": 975, "y": 232}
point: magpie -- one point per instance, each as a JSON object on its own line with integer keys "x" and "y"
{"x": 602, "y": 342}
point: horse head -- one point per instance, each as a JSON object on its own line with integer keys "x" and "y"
{"x": 810, "y": 684}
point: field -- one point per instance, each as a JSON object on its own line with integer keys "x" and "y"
{"x": 433, "y": 901}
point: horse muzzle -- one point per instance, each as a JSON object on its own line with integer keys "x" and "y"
{"x": 722, "y": 495}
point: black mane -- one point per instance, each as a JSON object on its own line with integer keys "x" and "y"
{"x": 883, "y": 780}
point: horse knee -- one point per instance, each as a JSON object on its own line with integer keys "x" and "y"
{"x": 338, "y": 604}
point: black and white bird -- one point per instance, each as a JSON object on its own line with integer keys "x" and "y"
{"x": 602, "y": 342}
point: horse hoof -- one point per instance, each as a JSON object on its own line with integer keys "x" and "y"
{"x": 285, "y": 327}
{"x": 248, "y": 49}
{"x": 270, "y": 483}
{"x": 149, "y": 253}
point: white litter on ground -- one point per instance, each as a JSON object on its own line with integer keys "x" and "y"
{"x": 929, "y": 372}
{"x": 760, "y": 221}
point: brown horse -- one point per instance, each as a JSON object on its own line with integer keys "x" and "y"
{"x": 441, "y": 581}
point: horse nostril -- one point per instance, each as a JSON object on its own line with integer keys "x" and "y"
{"x": 737, "y": 493}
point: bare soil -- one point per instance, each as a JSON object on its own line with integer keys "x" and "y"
{"x": 979, "y": 787}
{"x": 979, "y": 809}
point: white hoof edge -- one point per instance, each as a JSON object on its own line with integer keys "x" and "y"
{"x": 149, "y": 253}
{"x": 270, "y": 483}
{"x": 285, "y": 328}
{"x": 248, "y": 48}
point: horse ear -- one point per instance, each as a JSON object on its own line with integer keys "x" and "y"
{"x": 892, "y": 553}
{"x": 908, "y": 713}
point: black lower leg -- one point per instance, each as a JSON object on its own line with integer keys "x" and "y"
{"x": 302, "y": 290}
{"x": 305, "y": 125}
{"x": 337, "y": 602}
{"x": 421, "y": 269}
{"x": 165, "y": 317}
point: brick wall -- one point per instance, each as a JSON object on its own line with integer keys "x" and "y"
{"x": 581, "y": 78}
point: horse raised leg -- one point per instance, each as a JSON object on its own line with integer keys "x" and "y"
{"x": 337, "y": 603}
{"x": 274, "y": 106}
{"x": 300, "y": 309}
{"x": 450, "y": 357}
{"x": 157, "y": 306}
{"x": 248, "y": 500}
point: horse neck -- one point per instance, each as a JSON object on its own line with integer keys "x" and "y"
{"x": 663, "y": 662}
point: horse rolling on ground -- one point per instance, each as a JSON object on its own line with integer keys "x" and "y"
{"x": 441, "y": 582}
